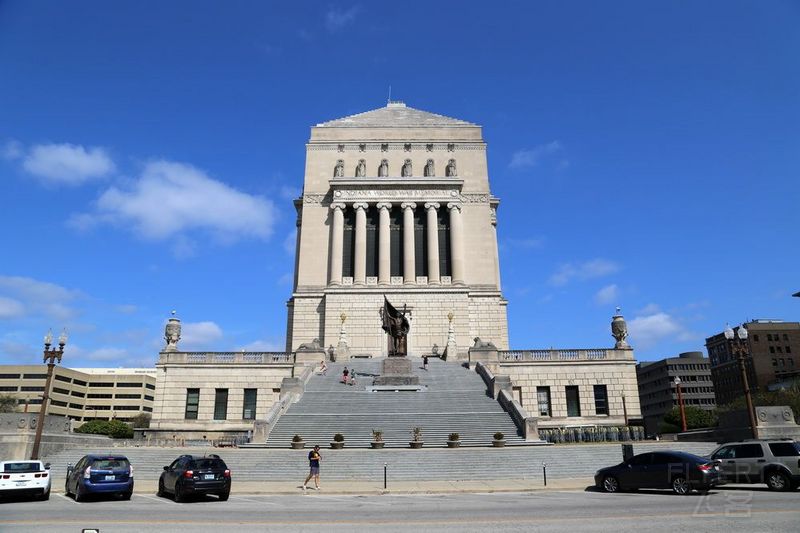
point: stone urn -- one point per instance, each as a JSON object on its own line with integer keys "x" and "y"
{"x": 499, "y": 440}
{"x": 298, "y": 443}
{"x": 454, "y": 440}
{"x": 416, "y": 438}
{"x": 416, "y": 444}
{"x": 338, "y": 442}
{"x": 377, "y": 439}
{"x": 376, "y": 445}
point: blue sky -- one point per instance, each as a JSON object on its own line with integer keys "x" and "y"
{"x": 646, "y": 155}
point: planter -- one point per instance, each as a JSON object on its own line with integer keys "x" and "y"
{"x": 415, "y": 444}
{"x": 453, "y": 443}
{"x": 298, "y": 445}
{"x": 337, "y": 445}
{"x": 498, "y": 443}
{"x": 376, "y": 445}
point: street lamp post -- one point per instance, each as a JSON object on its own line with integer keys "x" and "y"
{"x": 50, "y": 357}
{"x": 739, "y": 348}
{"x": 680, "y": 403}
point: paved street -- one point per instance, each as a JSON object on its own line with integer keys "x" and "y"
{"x": 722, "y": 510}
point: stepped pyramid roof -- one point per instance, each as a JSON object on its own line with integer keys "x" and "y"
{"x": 395, "y": 114}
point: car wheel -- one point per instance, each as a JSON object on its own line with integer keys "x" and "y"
{"x": 680, "y": 485}
{"x": 610, "y": 484}
{"x": 126, "y": 495}
{"x": 161, "y": 492}
{"x": 45, "y": 495}
{"x": 778, "y": 481}
{"x": 179, "y": 496}
{"x": 66, "y": 488}
{"x": 223, "y": 496}
{"x": 79, "y": 496}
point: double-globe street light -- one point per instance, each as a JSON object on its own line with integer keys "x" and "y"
{"x": 739, "y": 348}
{"x": 50, "y": 357}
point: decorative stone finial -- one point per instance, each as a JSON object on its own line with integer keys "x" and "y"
{"x": 450, "y": 316}
{"x": 619, "y": 330}
{"x": 172, "y": 333}
{"x": 343, "y": 317}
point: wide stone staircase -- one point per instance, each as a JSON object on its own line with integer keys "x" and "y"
{"x": 432, "y": 464}
{"x": 455, "y": 401}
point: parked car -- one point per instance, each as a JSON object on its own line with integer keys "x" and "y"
{"x": 194, "y": 475}
{"x": 100, "y": 474}
{"x": 25, "y": 477}
{"x": 680, "y": 471}
{"x": 775, "y": 462}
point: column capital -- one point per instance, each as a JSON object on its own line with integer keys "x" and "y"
{"x": 338, "y": 205}
{"x": 408, "y": 205}
{"x": 383, "y": 205}
{"x": 454, "y": 205}
{"x": 431, "y": 205}
{"x": 360, "y": 205}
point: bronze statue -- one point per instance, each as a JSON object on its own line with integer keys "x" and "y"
{"x": 396, "y": 325}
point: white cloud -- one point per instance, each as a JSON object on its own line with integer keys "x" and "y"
{"x": 10, "y": 308}
{"x": 336, "y": 18}
{"x": 108, "y": 354}
{"x": 126, "y": 309}
{"x": 264, "y": 346}
{"x": 290, "y": 242}
{"x": 12, "y": 150}
{"x": 170, "y": 199}
{"x": 647, "y": 330}
{"x": 524, "y": 244}
{"x": 607, "y": 295}
{"x": 596, "y": 268}
{"x": 39, "y": 297}
{"x": 289, "y": 193}
{"x": 531, "y": 157}
{"x": 649, "y": 309}
{"x": 67, "y": 164}
{"x": 194, "y": 334}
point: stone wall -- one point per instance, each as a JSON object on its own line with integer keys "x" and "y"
{"x": 173, "y": 380}
{"x": 18, "y": 431}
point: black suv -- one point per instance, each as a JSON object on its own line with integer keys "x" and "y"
{"x": 775, "y": 462}
{"x": 190, "y": 474}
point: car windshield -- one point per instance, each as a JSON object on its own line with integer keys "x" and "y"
{"x": 110, "y": 464}
{"x": 208, "y": 464}
{"x": 21, "y": 467}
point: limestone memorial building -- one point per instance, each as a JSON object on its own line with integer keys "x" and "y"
{"x": 396, "y": 202}
{"x": 396, "y": 207}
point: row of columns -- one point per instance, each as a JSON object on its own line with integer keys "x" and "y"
{"x": 384, "y": 250}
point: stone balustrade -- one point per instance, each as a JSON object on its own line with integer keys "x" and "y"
{"x": 226, "y": 357}
{"x": 512, "y": 356}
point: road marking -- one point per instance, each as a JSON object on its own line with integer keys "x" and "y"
{"x": 260, "y": 502}
{"x": 155, "y": 498}
{"x": 67, "y": 498}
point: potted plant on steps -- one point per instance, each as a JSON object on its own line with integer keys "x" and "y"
{"x": 338, "y": 442}
{"x": 454, "y": 440}
{"x": 499, "y": 440}
{"x": 297, "y": 442}
{"x": 416, "y": 438}
{"x": 377, "y": 439}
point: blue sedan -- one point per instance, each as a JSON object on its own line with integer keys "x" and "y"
{"x": 100, "y": 474}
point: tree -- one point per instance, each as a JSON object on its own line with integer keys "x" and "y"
{"x": 790, "y": 397}
{"x": 8, "y": 403}
{"x": 696, "y": 418}
{"x": 142, "y": 420}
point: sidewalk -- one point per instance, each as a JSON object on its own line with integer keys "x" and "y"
{"x": 149, "y": 486}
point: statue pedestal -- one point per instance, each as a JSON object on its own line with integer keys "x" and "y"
{"x": 396, "y": 371}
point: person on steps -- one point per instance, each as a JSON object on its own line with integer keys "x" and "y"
{"x": 313, "y": 462}
{"x": 345, "y": 374}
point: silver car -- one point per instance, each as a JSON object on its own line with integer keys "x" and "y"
{"x": 775, "y": 462}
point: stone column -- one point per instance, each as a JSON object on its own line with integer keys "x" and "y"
{"x": 360, "y": 267}
{"x": 409, "y": 274}
{"x": 456, "y": 243}
{"x": 384, "y": 248}
{"x": 433, "y": 243}
{"x": 337, "y": 241}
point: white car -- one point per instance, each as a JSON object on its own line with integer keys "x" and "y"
{"x": 18, "y": 477}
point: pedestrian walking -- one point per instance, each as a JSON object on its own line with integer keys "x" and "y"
{"x": 345, "y": 374}
{"x": 425, "y": 362}
{"x": 313, "y": 462}
{"x": 323, "y": 369}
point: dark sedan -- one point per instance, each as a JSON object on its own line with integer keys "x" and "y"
{"x": 193, "y": 475}
{"x": 682, "y": 472}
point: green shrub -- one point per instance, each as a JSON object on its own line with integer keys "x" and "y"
{"x": 297, "y": 438}
{"x": 454, "y": 436}
{"x": 338, "y": 438}
{"x": 112, "y": 428}
{"x": 8, "y": 403}
{"x": 696, "y": 418}
{"x": 499, "y": 436}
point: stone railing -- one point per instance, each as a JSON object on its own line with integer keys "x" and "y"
{"x": 226, "y": 357}
{"x": 511, "y": 356}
